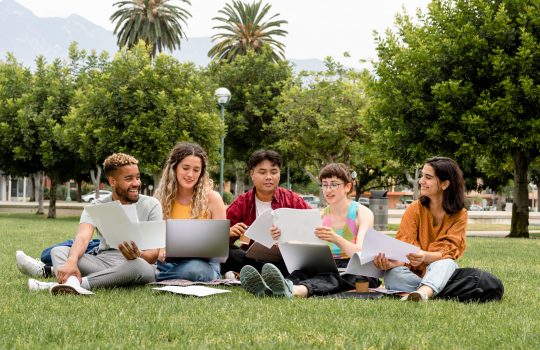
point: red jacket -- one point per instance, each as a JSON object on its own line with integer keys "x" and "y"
{"x": 243, "y": 208}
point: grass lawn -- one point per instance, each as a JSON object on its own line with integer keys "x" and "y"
{"x": 141, "y": 317}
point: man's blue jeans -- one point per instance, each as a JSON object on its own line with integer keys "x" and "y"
{"x": 437, "y": 275}
{"x": 196, "y": 270}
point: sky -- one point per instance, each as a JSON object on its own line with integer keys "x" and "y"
{"x": 316, "y": 28}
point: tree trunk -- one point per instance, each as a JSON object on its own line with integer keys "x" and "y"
{"x": 40, "y": 186}
{"x": 33, "y": 196}
{"x": 520, "y": 207}
{"x": 79, "y": 191}
{"x": 52, "y": 195}
{"x": 96, "y": 179}
{"x": 414, "y": 182}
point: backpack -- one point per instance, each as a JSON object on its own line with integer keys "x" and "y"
{"x": 92, "y": 248}
{"x": 470, "y": 284}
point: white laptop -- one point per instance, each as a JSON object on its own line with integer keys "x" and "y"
{"x": 194, "y": 238}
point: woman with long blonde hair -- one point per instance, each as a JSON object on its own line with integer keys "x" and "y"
{"x": 186, "y": 192}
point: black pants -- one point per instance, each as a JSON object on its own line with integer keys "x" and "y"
{"x": 330, "y": 282}
{"x": 238, "y": 259}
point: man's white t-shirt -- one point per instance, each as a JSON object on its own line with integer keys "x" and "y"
{"x": 261, "y": 206}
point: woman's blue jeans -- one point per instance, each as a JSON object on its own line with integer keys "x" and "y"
{"x": 196, "y": 270}
{"x": 437, "y": 275}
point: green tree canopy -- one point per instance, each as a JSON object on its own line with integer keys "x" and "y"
{"x": 462, "y": 80}
{"x": 244, "y": 28}
{"x": 143, "y": 107}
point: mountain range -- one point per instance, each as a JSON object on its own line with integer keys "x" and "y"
{"x": 27, "y": 36}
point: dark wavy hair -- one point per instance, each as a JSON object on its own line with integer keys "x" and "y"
{"x": 454, "y": 195}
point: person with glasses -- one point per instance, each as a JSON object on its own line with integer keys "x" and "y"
{"x": 264, "y": 169}
{"x": 344, "y": 224}
{"x": 436, "y": 224}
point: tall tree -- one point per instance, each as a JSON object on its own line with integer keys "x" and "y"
{"x": 323, "y": 115}
{"x": 244, "y": 28}
{"x": 462, "y": 80}
{"x": 157, "y": 22}
{"x": 255, "y": 82}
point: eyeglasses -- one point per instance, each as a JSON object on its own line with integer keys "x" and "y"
{"x": 331, "y": 186}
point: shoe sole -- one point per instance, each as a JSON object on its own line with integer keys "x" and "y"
{"x": 253, "y": 282}
{"x": 275, "y": 281}
{"x": 62, "y": 289}
{"x": 415, "y": 296}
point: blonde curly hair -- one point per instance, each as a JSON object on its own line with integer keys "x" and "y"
{"x": 168, "y": 186}
{"x": 118, "y": 160}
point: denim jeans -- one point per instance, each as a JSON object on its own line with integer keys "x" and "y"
{"x": 437, "y": 275}
{"x": 196, "y": 270}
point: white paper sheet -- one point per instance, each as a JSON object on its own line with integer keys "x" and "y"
{"x": 295, "y": 225}
{"x": 376, "y": 242}
{"x": 199, "y": 291}
{"x": 298, "y": 225}
{"x": 373, "y": 244}
{"x": 259, "y": 231}
{"x": 131, "y": 211}
{"x": 116, "y": 227}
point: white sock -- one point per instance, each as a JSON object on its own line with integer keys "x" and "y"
{"x": 85, "y": 283}
{"x": 74, "y": 281}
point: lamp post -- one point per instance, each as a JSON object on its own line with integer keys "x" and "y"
{"x": 223, "y": 96}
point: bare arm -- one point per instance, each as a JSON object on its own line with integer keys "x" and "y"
{"x": 216, "y": 207}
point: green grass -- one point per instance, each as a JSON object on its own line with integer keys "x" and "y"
{"x": 141, "y": 317}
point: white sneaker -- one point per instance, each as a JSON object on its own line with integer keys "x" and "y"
{"x": 417, "y": 296}
{"x": 29, "y": 266}
{"x": 36, "y": 286}
{"x": 231, "y": 275}
{"x": 71, "y": 287}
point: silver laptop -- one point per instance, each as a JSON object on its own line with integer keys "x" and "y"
{"x": 192, "y": 238}
{"x": 310, "y": 257}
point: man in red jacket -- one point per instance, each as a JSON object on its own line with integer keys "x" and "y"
{"x": 264, "y": 169}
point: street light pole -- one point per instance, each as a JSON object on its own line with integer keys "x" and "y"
{"x": 223, "y": 96}
{"x": 222, "y": 163}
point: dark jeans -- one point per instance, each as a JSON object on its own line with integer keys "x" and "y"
{"x": 330, "y": 282}
{"x": 238, "y": 259}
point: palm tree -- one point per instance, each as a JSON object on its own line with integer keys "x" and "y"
{"x": 243, "y": 29}
{"x": 157, "y": 22}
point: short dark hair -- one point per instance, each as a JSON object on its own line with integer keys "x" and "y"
{"x": 454, "y": 195}
{"x": 261, "y": 155}
{"x": 117, "y": 160}
{"x": 339, "y": 170}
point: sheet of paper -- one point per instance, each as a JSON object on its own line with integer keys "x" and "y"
{"x": 116, "y": 227}
{"x": 131, "y": 211}
{"x": 376, "y": 242}
{"x": 298, "y": 224}
{"x": 355, "y": 267}
{"x": 199, "y": 291}
{"x": 259, "y": 231}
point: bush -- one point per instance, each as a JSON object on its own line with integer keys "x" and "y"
{"x": 228, "y": 197}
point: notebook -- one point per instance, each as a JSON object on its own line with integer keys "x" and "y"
{"x": 193, "y": 238}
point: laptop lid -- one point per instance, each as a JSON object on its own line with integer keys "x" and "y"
{"x": 310, "y": 257}
{"x": 195, "y": 238}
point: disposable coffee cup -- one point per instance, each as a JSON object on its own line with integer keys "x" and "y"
{"x": 362, "y": 286}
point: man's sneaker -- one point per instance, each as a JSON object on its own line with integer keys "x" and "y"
{"x": 71, "y": 287}
{"x": 29, "y": 266}
{"x": 231, "y": 275}
{"x": 280, "y": 286}
{"x": 253, "y": 282}
{"x": 417, "y": 296}
{"x": 36, "y": 286}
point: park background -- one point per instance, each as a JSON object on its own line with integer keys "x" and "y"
{"x": 457, "y": 78}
